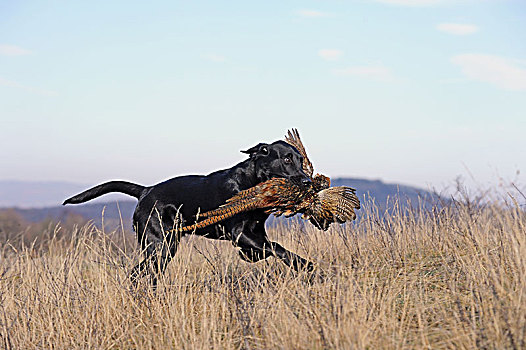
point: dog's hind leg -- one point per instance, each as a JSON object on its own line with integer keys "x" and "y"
{"x": 157, "y": 257}
{"x": 159, "y": 247}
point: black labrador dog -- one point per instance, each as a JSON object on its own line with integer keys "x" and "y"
{"x": 181, "y": 198}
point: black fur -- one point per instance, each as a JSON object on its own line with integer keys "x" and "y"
{"x": 160, "y": 205}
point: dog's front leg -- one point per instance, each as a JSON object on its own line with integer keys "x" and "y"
{"x": 291, "y": 259}
{"x": 255, "y": 246}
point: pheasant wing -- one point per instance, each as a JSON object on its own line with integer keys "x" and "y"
{"x": 341, "y": 201}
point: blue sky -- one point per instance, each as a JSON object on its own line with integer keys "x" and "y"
{"x": 410, "y": 91}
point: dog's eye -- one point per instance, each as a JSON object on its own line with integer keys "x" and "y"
{"x": 287, "y": 160}
{"x": 264, "y": 150}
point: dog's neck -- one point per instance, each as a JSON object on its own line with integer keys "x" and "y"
{"x": 245, "y": 175}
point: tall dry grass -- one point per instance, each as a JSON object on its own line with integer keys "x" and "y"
{"x": 452, "y": 278}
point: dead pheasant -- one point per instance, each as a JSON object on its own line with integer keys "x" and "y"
{"x": 318, "y": 202}
{"x": 277, "y": 196}
{"x": 282, "y": 197}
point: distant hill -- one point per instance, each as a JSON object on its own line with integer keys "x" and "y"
{"x": 113, "y": 211}
{"x": 47, "y": 197}
{"x": 381, "y": 191}
{"x": 41, "y": 194}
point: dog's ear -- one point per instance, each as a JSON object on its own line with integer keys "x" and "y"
{"x": 259, "y": 149}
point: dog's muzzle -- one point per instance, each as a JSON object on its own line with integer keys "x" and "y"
{"x": 301, "y": 180}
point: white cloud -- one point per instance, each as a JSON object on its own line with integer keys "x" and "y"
{"x": 33, "y": 90}
{"x": 411, "y": 2}
{"x": 312, "y": 13}
{"x": 457, "y": 28}
{"x": 330, "y": 54}
{"x": 12, "y": 50}
{"x": 377, "y": 72}
{"x": 214, "y": 57}
{"x": 500, "y": 71}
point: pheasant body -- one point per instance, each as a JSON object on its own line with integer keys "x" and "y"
{"x": 276, "y": 196}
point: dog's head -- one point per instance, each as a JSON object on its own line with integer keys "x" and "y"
{"x": 278, "y": 159}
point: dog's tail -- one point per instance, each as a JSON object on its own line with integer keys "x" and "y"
{"x": 128, "y": 188}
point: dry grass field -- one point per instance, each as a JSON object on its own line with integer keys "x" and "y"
{"x": 448, "y": 278}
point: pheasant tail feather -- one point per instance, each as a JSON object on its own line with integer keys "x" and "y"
{"x": 293, "y": 138}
